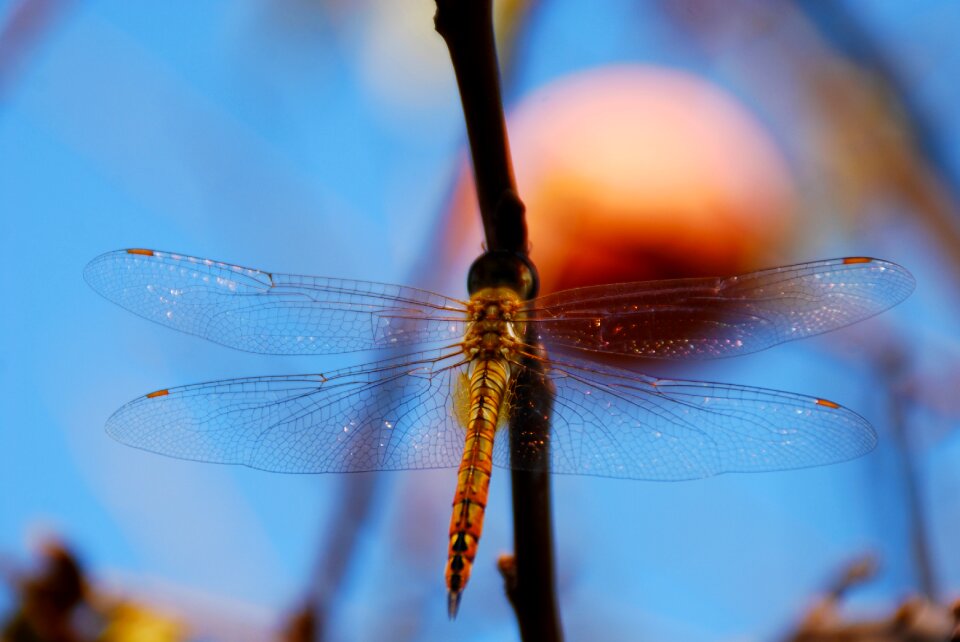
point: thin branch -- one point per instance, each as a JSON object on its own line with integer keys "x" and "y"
{"x": 467, "y": 28}
{"x": 529, "y": 578}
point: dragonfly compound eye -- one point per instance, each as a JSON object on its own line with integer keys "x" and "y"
{"x": 504, "y": 269}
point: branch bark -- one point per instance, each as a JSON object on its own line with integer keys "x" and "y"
{"x": 529, "y": 578}
{"x": 467, "y": 28}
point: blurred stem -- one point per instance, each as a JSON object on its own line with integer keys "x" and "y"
{"x": 920, "y": 161}
{"x": 335, "y": 555}
{"x": 25, "y": 24}
{"x": 839, "y": 23}
{"x": 893, "y": 363}
{"x": 467, "y": 28}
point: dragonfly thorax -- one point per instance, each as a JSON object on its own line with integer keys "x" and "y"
{"x": 493, "y": 330}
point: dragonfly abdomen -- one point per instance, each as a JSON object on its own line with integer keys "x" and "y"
{"x": 488, "y": 384}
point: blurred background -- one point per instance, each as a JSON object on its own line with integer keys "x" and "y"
{"x": 651, "y": 139}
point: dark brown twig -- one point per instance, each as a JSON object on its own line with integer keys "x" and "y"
{"x": 530, "y": 580}
{"x": 467, "y": 28}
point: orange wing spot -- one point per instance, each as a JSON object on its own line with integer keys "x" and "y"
{"x": 158, "y": 393}
{"x": 827, "y": 403}
{"x": 857, "y": 259}
{"x": 140, "y": 252}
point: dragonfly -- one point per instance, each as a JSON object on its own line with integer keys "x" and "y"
{"x": 443, "y": 393}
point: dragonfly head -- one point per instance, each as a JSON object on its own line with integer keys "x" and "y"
{"x": 502, "y": 268}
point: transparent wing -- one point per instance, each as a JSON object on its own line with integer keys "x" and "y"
{"x": 719, "y": 317}
{"x": 270, "y": 313}
{"x": 397, "y": 414}
{"x": 390, "y": 415}
{"x": 614, "y": 423}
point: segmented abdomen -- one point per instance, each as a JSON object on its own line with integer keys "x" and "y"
{"x": 488, "y": 383}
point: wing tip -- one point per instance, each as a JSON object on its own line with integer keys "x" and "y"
{"x": 907, "y": 282}
{"x": 92, "y": 271}
{"x": 868, "y": 435}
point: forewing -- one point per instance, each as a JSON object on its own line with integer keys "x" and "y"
{"x": 719, "y": 317}
{"x": 391, "y": 415}
{"x": 614, "y": 423}
{"x": 271, "y": 313}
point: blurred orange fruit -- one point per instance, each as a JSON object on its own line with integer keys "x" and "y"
{"x": 639, "y": 172}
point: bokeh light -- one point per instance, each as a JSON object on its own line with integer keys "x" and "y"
{"x": 639, "y": 172}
